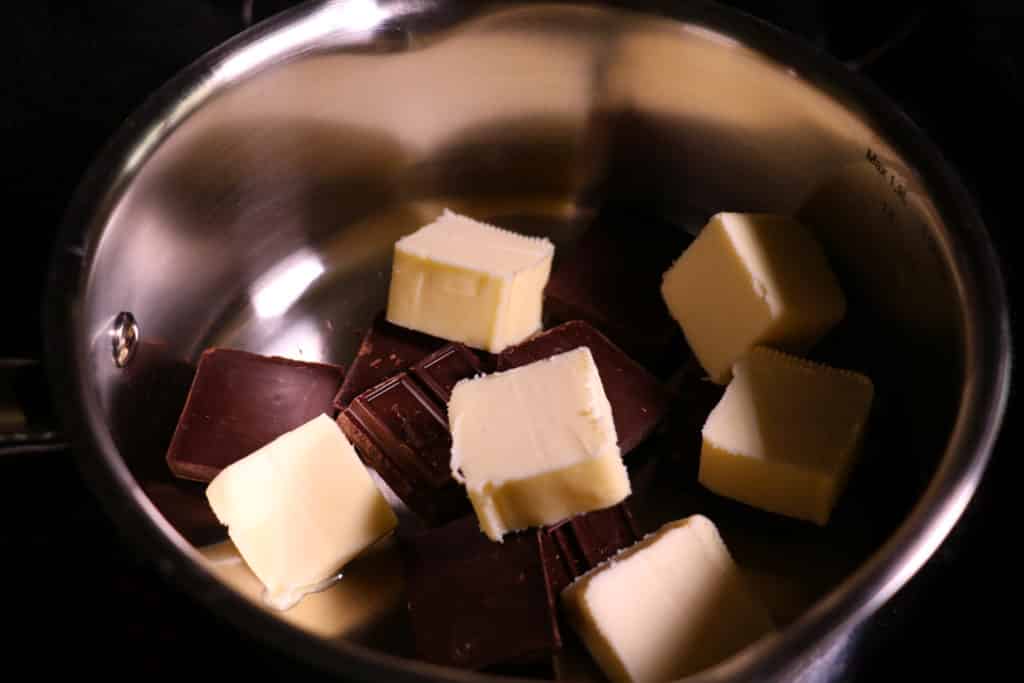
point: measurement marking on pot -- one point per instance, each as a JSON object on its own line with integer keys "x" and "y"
{"x": 913, "y": 220}
{"x": 894, "y": 182}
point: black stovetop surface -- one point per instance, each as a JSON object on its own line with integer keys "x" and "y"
{"x": 83, "y": 598}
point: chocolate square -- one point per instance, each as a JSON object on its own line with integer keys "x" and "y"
{"x": 584, "y": 541}
{"x": 637, "y": 398}
{"x": 612, "y": 279}
{"x": 400, "y": 428}
{"x": 477, "y": 604}
{"x": 385, "y": 351}
{"x": 240, "y": 402}
{"x": 403, "y": 434}
{"x": 446, "y": 367}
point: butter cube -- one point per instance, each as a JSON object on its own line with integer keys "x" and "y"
{"x": 469, "y": 282}
{"x": 785, "y": 434}
{"x": 669, "y": 606}
{"x": 536, "y": 444}
{"x": 751, "y": 279}
{"x": 299, "y": 508}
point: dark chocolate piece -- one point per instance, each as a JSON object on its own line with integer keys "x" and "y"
{"x": 401, "y": 432}
{"x": 559, "y": 567}
{"x": 573, "y": 662}
{"x": 386, "y": 350}
{"x": 637, "y": 398}
{"x": 400, "y": 428}
{"x": 184, "y": 505}
{"x": 477, "y": 604}
{"x": 443, "y": 369}
{"x": 612, "y": 279}
{"x": 695, "y": 396}
{"x": 242, "y": 401}
{"x": 146, "y": 401}
{"x": 584, "y": 541}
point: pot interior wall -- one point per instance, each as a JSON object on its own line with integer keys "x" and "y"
{"x": 265, "y": 221}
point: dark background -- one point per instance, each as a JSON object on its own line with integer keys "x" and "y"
{"x": 83, "y": 598}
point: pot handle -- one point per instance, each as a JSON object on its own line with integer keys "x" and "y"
{"x": 28, "y": 423}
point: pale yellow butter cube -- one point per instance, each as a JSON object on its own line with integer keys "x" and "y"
{"x": 751, "y": 279}
{"x": 299, "y": 508}
{"x": 466, "y": 281}
{"x": 671, "y": 605}
{"x": 536, "y": 444}
{"x": 785, "y": 434}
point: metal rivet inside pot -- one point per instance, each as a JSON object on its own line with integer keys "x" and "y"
{"x": 124, "y": 337}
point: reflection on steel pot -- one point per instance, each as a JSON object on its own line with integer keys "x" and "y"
{"x": 253, "y": 203}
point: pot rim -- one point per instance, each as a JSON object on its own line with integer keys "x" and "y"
{"x": 977, "y": 277}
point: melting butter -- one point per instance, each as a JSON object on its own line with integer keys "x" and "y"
{"x": 368, "y": 593}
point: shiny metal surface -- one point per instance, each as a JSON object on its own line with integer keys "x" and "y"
{"x": 124, "y": 338}
{"x": 254, "y": 200}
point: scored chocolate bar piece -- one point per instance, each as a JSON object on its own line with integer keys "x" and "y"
{"x": 584, "y": 541}
{"x": 477, "y": 604}
{"x": 638, "y": 399}
{"x": 400, "y": 429}
{"x": 612, "y": 279}
{"x": 241, "y": 401}
{"x": 386, "y": 349}
{"x": 402, "y": 433}
{"x": 442, "y": 370}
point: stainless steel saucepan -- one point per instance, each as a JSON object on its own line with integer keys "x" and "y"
{"x": 253, "y": 202}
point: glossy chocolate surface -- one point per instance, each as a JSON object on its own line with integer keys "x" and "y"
{"x": 584, "y": 541}
{"x": 400, "y": 428}
{"x": 612, "y": 279}
{"x": 240, "y": 402}
{"x": 386, "y": 349}
{"x": 477, "y": 604}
